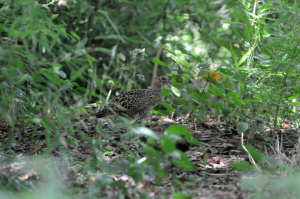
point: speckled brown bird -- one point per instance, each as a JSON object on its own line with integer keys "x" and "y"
{"x": 136, "y": 103}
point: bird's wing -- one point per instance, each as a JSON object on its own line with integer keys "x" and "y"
{"x": 131, "y": 100}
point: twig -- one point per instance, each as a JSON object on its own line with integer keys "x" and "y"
{"x": 272, "y": 148}
{"x": 249, "y": 155}
{"x": 281, "y": 155}
{"x": 252, "y": 23}
{"x": 158, "y": 53}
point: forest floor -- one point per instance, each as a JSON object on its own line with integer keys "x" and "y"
{"x": 214, "y": 177}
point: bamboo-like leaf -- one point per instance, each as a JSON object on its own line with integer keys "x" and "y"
{"x": 234, "y": 58}
{"x": 168, "y": 106}
{"x": 248, "y": 53}
{"x": 157, "y": 61}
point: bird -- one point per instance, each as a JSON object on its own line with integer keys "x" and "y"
{"x": 136, "y": 103}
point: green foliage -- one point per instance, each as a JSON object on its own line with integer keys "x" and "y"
{"x": 55, "y": 59}
{"x": 255, "y": 154}
{"x": 276, "y": 187}
{"x": 261, "y": 72}
{"x": 242, "y": 166}
{"x": 241, "y": 127}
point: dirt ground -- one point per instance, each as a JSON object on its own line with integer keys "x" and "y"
{"x": 214, "y": 177}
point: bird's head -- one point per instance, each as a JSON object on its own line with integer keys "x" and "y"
{"x": 162, "y": 80}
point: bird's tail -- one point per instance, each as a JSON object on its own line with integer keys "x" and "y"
{"x": 103, "y": 113}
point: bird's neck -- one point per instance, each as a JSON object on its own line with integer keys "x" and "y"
{"x": 157, "y": 88}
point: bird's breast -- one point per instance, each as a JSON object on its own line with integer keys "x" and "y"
{"x": 154, "y": 97}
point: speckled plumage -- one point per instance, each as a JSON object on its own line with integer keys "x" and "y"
{"x": 136, "y": 103}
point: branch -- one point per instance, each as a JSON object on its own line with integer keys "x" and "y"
{"x": 158, "y": 53}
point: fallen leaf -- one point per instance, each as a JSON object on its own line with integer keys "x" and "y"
{"x": 95, "y": 135}
{"x": 285, "y": 126}
{"x": 32, "y": 175}
{"x": 35, "y": 149}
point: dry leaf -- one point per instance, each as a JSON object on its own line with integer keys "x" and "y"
{"x": 32, "y": 175}
{"x": 35, "y": 149}
{"x": 95, "y": 134}
{"x": 214, "y": 75}
{"x": 285, "y": 126}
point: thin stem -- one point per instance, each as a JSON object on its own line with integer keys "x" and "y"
{"x": 254, "y": 9}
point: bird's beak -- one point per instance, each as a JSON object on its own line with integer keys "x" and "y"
{"x": 169, "y": 82}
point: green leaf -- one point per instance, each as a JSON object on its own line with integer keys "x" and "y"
{"x": 184, "y": 163}
{"x": 217, "y": 105}
{"x": 248, "y": 53}
{"x": 159, "y": 112}
{"x": 227, "y": 44}
{"x": 90, "y": 92}
{"x": 54, "y": 16}
{"x": 232, "y": 95}
{"x": 42, "y": 107}
{"x": 180, "y": 61}
{"x": 231, "y": 22}
{"x": 105, "y": 13}
{"x": 157, "y": 61}
{"x": 234, "y": 58}
{"x": 241, "y": 127}
{"x": 214, "y": 82}
{"x": 201, "y": 99}
{"x": 181, "y": 196}
{"x": 166, "y": 92}
{"x": 295, "y": 103}
{"x": 36, "y": 120}
{"x": 284, "y": 18}
{"x": 254, "y": 153}
{"x": 103, "y": 50}
{"x": 50, "y": 77}
{"x": 90, "y": 59}
{"x": 196, "y": 96}
{"x": 238, "y": 101}
{"x": 198, "y": 58}
{"x": 85, "y": 137}
{"x": 151, "y": 151}
{"x": 295, "y": 96}
{"x": 112, "y": 36}
{"x": 226, "y": 112}
{"x": 242, "y": 166}
{"x": 257, "y": 97}
{"x": 216, "y": 91}
{"x": 236, "y": 32}
{"x": 22, "y": 79}
{"x": 168, "y": 106}
{"x": 75, "y": 74}
{"x": 179, "y": 131}
{"x": 169, "y": 49}
{"x": 175, "y": 91}
{"x": 143, "y": 131}
{"x": 168, "y": 145}
{"x": 75, "y": 35}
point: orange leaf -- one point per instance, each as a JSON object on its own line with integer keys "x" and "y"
{"x": 95, "y": 135}
{"x": 216, "y": 76}
{"x": 35, "y": 149}
{"x": 285, "y": 126}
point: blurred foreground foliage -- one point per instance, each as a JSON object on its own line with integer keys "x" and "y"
{"x": 238, "y": 60}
